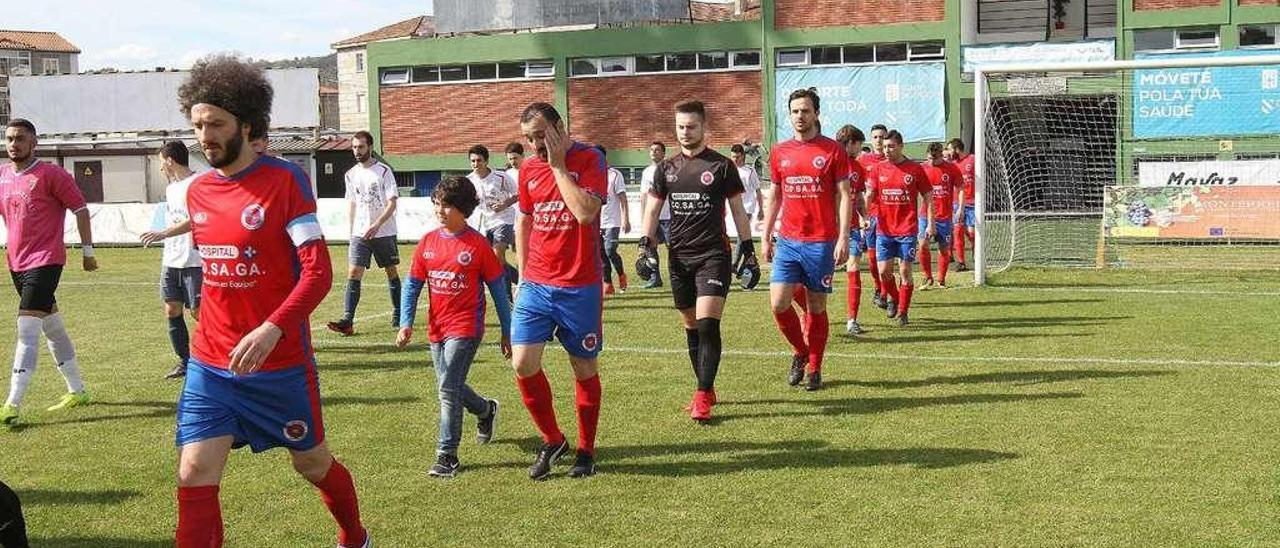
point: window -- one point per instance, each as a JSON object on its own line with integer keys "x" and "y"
{"x": 583, "y": 67}
{"x": 888, "y": 53}
{"x": 361, "y": 103}
{"x": 824, "y": 56}
{"x": 1258, "y": 36}
{"x": 395, "y": 76}
{"x": 614, "y": 65}
{"x": 714, "y": 60}
{"x": 920, "y": 51}
{"x": 1154, "y": 40}
{"x": 746, "y": 59}
{"x": 426, "y": 74}
{"x": 453, "y": 73}
{"x": 1196, "y": 39}
{"x": 859, "y": 54}
{"x": 486, "y": 71}
{"x": 539, "y": 69}
{"x": 650, "y": 63}
{"x": 511, "y": 70}
{"x": 681, "y": 61}
{"x": 791, "y": 57}
{"x": 359, "y": 62}
{"x": 50, "y": 66}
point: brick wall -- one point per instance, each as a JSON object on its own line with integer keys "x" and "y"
{"x": 629, "y": 112}
{"x": 1141, "y": 5}
{"x": 1258, "y": 2}
{"x": 448, "y": 119}
{"x": 832, "y": 13}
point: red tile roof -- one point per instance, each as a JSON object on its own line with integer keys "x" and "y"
{"x": 35, "y": 41}
{"x": 409, "y": 28}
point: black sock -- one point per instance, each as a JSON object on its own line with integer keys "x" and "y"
{"x": 691, "y": 339}
{"x": 708, "y": 352}
{"x": 178, "y": 336}
{"x": 353, "y": 299}
{"x": 393, "y": 286}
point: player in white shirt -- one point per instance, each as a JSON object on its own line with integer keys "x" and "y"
{"x": 515, "y": 157}
{"x": 752, "y": 198}
{"x": 657, "y": 153}
{"x": 615, "y": 220}
{"x": 497, "y": 214}
{"x": 371, "y": 197}
{"x": 180, "y": 274}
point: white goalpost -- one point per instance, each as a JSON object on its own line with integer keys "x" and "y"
{"x": 1165, "y": 162}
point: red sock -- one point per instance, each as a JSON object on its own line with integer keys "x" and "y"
{"x": 199, "y": 517}
{"x": 801, "y": 297}
{"x": 789, "y": 324}
{"x": 890, "y": 288}
{"x": 588, "y": 413}
{"x": 957, "y": 236}
{"x": 338, "y": 491}
{"x": 818, "y": 330}
{"x": 874, "y": 268}
{"x": 855, "y": 293}
{"x": 925, "y": 259}
{"x": 904, "y": 298}
{"x": 944, "y": 262}
{"x": 536, "y": 392}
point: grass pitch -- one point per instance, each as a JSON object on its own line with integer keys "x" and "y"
{"x": 1055, "y": 407}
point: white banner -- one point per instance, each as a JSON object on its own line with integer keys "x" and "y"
{"x": 974, "y": 57}
{"x": 1210, "y": 173}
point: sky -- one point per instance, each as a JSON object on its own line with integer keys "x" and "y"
{"x": 145, "y": 34}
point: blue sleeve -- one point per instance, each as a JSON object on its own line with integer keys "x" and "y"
{"x": 409, "y": 301}
{"x": 501, "y": 303}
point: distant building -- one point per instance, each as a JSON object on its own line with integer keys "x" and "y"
{"x": 27, "y": 53}
{"x": 353, "y": 75}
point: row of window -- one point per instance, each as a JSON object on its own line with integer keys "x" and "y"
{"x": 429, "y": 74}
{"x": 671, "y": 62}
{"x": 1182, "y": 39}
{"x": 862, "y": 54}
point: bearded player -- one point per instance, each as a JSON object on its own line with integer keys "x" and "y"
{"x": 812, "y": 177}
{"x": 966, "y": 220}
{"x": 897, "y": 187}
{"x": 945, "y": 180}
{"x": 869, "y": 160}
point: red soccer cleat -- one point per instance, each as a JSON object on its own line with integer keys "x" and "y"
{"x": 701, "y": 410}
{"x": 608, "y": 288}
{"x": 622, "y": 283}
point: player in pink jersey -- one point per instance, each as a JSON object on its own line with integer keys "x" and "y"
{"x": 252, "y": 379}
{"x": 34, "y": 199}
{"x": 811, "y": 177}
{"x": 896, "y": 187}
{"x": 945, "y": 180}
{"x": 851, "y": 138}
{"x": 451, "y": 262}
{"x": 966, "y": 220}
{"x": 562, "y": 189}
{"x": 869, "y": 160}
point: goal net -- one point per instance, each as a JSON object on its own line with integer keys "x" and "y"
{"x": 1154, "y": 163}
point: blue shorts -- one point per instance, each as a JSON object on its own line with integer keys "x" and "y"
{"x": 571, "y": 314}
{"x": 970, "y": 219}
{"x": 901, "y": 247}
{"x": 809, "y": 263}
{"x": 278, "y": 408}
{"x": 942, "y": 232}
{"x": 860, "y": 240}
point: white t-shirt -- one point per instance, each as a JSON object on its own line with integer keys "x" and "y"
{"x": 646, "y": 184}
{"x": 750, "y": 184}
{"x": 494, "y": 189}
{"x": 611, "y": 215}
{"x": 371, "y": 188}
{"x": 514, "y": 175}
{"x": 180, "y": 250}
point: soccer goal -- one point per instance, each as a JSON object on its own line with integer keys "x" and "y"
{"x": 1165, "y": 162}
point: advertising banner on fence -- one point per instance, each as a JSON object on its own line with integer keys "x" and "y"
{"x": 1206, "y": 101}
{"x": 976, "y": 57}
{"x": 1233, "y": 173}
{"x": 907, "y": 97}
{"x": 1209, "y": 212}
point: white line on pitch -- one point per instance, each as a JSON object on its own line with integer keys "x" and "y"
{"x": 1136, "y": 290}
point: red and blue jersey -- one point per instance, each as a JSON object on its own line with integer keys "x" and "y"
{"x": 945, "y": 180}
{"x": 966, "y": 166}
{"x": 806, "y": 175}
{"x": 263, "y": 257}
{"x": 561, "y": 251}
{"x": 454, "y": 269}
{"x": 896, "y": 190}
{"x": 869, "y": 160}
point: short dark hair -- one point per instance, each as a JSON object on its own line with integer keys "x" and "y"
{"x": 602, "y": 150}
{"x": 363, "y": 136}
{"x": 660, "y": 145}
{"x": 175, "y": 151}
{"x": 692, "y": 107}
{"x": 457, "y": 192}
{"x": 807, "y": 93}
{"x": 894, "y": 135}
{"x": 515, "y": 148}
{"x": 737, "y": 148}
{"x": 956, "y": 144}
{"x": 935, "y": 149}
{"x": 548, "y": 112}
{"x": 880, "y": 127}
{"x": 479, "y": 150}
{"x": 849, "y": 133}
{"x": 238, "y": 87}
{"x": 22, "y": 123}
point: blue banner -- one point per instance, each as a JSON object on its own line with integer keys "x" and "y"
{"x": 1206, "y": 101}
{"x": 907, "y": 97}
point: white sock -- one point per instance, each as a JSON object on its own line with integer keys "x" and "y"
{"x": 25, "y": 352}
{"x": 64, "y": 353}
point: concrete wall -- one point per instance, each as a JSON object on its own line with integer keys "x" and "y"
{"x": 124, "y": 178}
{"x": 352, "y": 85}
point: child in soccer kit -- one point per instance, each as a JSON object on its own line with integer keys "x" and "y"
{"x": 451, "y": 262}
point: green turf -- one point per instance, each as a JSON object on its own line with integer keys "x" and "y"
{"x": 982, "y": 424}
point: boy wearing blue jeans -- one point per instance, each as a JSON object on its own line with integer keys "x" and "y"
{"x": 451, "y": 262}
